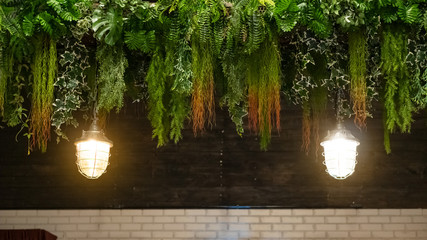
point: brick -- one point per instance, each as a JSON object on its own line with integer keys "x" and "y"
{"x": 379, "y": 219}
{"x": 136, "y": 226}
{"x": 393, "y": 227}
{"x": 205, "y": 235}
{"x": 401, "y": 219}
{"x": 186, "y": 219}
{"x": 69, "y": 213}
{"x": 162, "y": 234}
{"x": 79, "y": 219}
{"x": 37, "y": 220}
{"x": 271, "y": 235}
{"x": 419, "y": 219}
{"x": 7, "y": 213}
{"x": 116, "y": 235}
{"x": 148, "y": 227}
{"x": 382, "y": 234}
{"x": 337, "y": 234}
{"x": 304, "y": 227}
{"x": 314, "y": 219}
{"x": 141, "y": 234}
{"x": 87, "y": 227}
{"x": 174, "y": 226}
{"x": 416, "y": 226}
{"x": 345, "y": 212}
{"x": 16, "y": 220}
{"x": 131, "y": 212}
{"x": 270, "y": 219}
{"x": 121, "y": 219}
{"x": 81, "y": 235}
{"x": 228, "y": 235}
{"x": 97, "y": 234}
{"x": 358, "y": 219}
{"x": 195, "y": 226}
{"x": 238, "y": 227}
{"x": 217, "y": 227}
{"x": 324, "y": 212}
{"x": 389, "y": 212}
{"x": 227, "y": 219}
{"x": 174, "y": 212}
{"x": 411, "y": 212}
{"x": 100, "y": 219}
{"x": 6, "y": 226}
{"x": 249, "y": 219}
{"x": 348, "y": 227}
{"x": 259, "y": 212}
{"x": 237, "y": 212}
{"x": 367, "y": 212}
{"x": 293, "y": 234}
{"x": 110, "y": 212}
{"x": 360, "y": 234}
{"x": 206, "y": 219}
{"x": 336, "y": 220}
{"x": 302, "y": 212}
{"x": 164, "y": 219}
{"x": 89, "y": 212}
{"x": 216, "y": 212}
{"x": 282, "y": 227}
{"x": 48, "y": 213}
{"x": 260, "y": 227}
{"x": 109, "y": 227}
{"x": 152, "y": 212}
{"x": 195, "y": 212}
{"x": 422, "y": 234}
{"x": 185, "y": 235}
{"x": 281, "y": 212}
{"x": 316, "y": 234}
{"x": 292, "y": 219}
{"x": 326, "y": 227}
{"x": 405, "y": 234}
{"x": 375, "y": 227}
{"x": 26, "y": 213}
{"x": 66, "y": 227}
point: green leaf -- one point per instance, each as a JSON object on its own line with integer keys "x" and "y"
{"x": 108, "y": 27}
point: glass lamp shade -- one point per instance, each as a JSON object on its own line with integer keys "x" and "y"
{"x": 340, "y": 152}
{"x": 93, "y": 152}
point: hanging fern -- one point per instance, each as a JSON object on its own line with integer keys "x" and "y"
{"x": 357, "y": 67}
{"x": 44, "y": 72}
{"x": 142, "y": 40}
{"x": 111, "y": 85}
{"x": 263, "y": 79}
{"x": 397, "y": 100}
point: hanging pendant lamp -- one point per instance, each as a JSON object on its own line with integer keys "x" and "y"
{"x": 93, "y": 152}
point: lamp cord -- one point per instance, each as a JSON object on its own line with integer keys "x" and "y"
{"x": 339, "y": 106}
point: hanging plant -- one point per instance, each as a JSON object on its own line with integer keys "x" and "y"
{"x": 44, "y": 74}
{"x": 306, "y": 127}
{"x": 70, "y": 85}
{"x": 397, "y": 100}
{"x": 202, "y": 101}
{"x": 357, "y": 69}
{"x": 263, "y": 79}
{"x": 111, "y": 85}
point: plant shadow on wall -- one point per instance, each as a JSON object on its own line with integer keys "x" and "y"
{"x": 243, "y": 55}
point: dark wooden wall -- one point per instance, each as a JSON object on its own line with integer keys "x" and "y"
{"x": 218, "y": 169}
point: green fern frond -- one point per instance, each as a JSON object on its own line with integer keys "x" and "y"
{"x": 44, "y": 20}
{"x": 142, "y": 40}
{"x": 28, "y": 25}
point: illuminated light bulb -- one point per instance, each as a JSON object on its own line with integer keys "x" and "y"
{"x": 93, "y": 152}
{"x": 340, "y": 152}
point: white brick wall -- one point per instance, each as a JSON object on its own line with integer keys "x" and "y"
{"x": 223, "y": 224}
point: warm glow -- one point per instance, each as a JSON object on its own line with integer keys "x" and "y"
{"x": 92, "y": 157}
{"x": 340, "y": 154}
